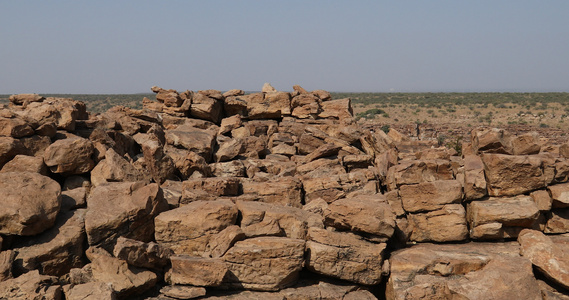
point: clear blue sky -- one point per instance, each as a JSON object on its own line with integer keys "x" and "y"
{"x": 422, "y": 46}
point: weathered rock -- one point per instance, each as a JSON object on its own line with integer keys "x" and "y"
{"x": 235, "y": 105}
{"x": 123, "y": 209}
{"x": 559, "y": 195}
{"x": 20, "y": 99}
{"x": 30, "y": 203}
{"x": 418, "y": 171}
{"x": 526, "y": 144}
{"x": 498, "y": 218}
{"x": 205, "y": 107}
{"x": 345, "y": 256}
{"x": 196, "y": 271}
{"x": 339, "y": 109}
{"x": 334, "y": 187}
{"x": 223, "y": 241}
{"x": 9, "y": 148}
{"x": 24, "y": 163}
{"x": 70, "y": 156}
{"x": 124, "y": 280}
{"x": 464, "y": 271}
{"x": 55, "y": 251}
{"x": 74, "y": 199}
{"x": 160, "y": 165}
{"x": 14, "y": 127}
{"x": 368, "y": 215}
{"x": 443, "y": 225}
{"x": 264, "y": 263}
{"x": 188, "y": 229}
{"x": 286, "y": 191}
{"x": 6, "y": 260}
{"x": 139, "y": 254}
{"x": 229, "y": 150}
{"x": 229, "y": 123}
{"x": 550, "y": 259}
{"x": 510, "y": 175}
{"x": 188, "y": 164}
{"x": 31, "y": 285}
{"x": 492, "y": 140}
{"x": 429, "y": 196}
{"x": 233, "y": 92}
{"x": 115, "y": 168}
{"x": 94, "y": 290}
{"x": 325, "y": 150}
{"x": 208, "y": 188}
{"x": 183, "y": 292}
{"x": 258, "y": 218}
{"x": 558, "y": 221}
{"x": 305, "y": 106}
{"x": 234, "y": 168}
{"x": 474, "y": 180}
{"x": 197, "y": 140}
{"x": 270, "y": 106}
{"x": 542, "y": 199}
{"x": 59, "y": 111}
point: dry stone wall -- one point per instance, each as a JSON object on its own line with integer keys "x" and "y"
{"x": 273, "y": 195}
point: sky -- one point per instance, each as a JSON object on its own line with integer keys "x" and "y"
{"x": 121, "y": 46}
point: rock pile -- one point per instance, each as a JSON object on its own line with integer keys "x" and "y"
{"x": 272, "y": 195}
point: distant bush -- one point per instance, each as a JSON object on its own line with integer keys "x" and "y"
{"x": 370, "y": 113}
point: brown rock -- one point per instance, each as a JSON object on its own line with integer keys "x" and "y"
{"x": 542, "y": 199}
{"x": 234, "y": 92}
{"x": 14, "y": 127}
{"x": 229, "y": 123}
{"x": 229, "y": 150}
{"x": 194, "y": 139}
{"x": 30, "y": 203}
{"x": 188, "y": 229}
{"x": 526, "y": 144}
{"x": 345, "y": 256}
{"x": 558, "y": 221}
{"x": 492, "y": 140}
{"x": 9, "y": 148}
{"x": 323, "y": 151}
{"x": 271, "y": 105}
{"x": 235, "y": 105}
{"x": 6, "y": 259}
{"x": 264, "y": 263}
{"x": 474, "y": 180}
{"x": 24, "y": 163}
{"x": 183, "y": 292}
{"x": 59, "y": 111}
{"x": 550, "y": 259}
{"x": 334, "y": 187}
{"x": 225, "y": 239}
{"x": 560, "y": 195}
{"x": 305, "y": 106}
{"x": 115, "y": 168}
{"x": 70, "y": 156}
{"x": 160, "y": 165}
{"x": 207, "y": 107}
{"x": 463, "y": 271}
{"x": 169, "y": 98}
{"x": 31, "y": 285}
{"x": 258, "y": 218}
{"x": 197, "y": 271}
{"x": 188, "y": 163}
{"x": 91, "y": 291}
{"x": 510, "y": 175}
{"x": 123, "y": 209}
{"x": 418, "y": 171}
{"x": 369, "y": 215}
{"x": 286, "y": 191}
{"x": 337, "y": 109}
{"x": 429, "y": 196}
{"x": 498, "y": 218}
{"x": 208, "y": 188}
{"x": 20, "y": 99}
{"x": 444, "y": 225}
{"x": 139, "y": 254}
{"x": 234, "y": 168}
{"x": 55, "y": 251}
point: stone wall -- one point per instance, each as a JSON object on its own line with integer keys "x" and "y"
{"x": 274, "y": 194}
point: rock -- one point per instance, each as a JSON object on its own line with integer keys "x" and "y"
{"x": 323, "y": 151}
{"x": 351, "y": 162}
{"x": 70, "y": 156}
{"x": 188, "y": 229}
{"x": 115, "y": 168}
{"x": 286, "y": 191}
{"x": 558, "y": 221}
{"x": 429, "y": 196}
{"x": 55, "y": 251}
{"x": 474, "y": 180}
{"x": 223, "y": 241}
{"x": 207, "y": 108}
{"x": 235, "y": 105}
{"x": 197, "y": 140}
{"x": 123, "y": 209}
{"x": 492, "y": 140}
{"x": 462, "y": 271}
{"x": 510, "y": 175}
{"x": 170, "y": 98}
{"x": 172, "y": 192}
{"x": 31, "y": 285}
{"x": 124, "y": 280}
{"x": 337, "y": 109}
{"x": 6, "y": 260}
{"x": 560, "y": 195}
{"x": 234, "y": 92}
{"x": 14, "y": 127}
{"x": 526, "y": 144}
{"x": 334, "y": 187}
{"x": 229, "y": 123}
{"x": 229, "y": 150}
{"x": 305, "y": 106}
{"x": 188, "y": 164}
{"x": 418, "y": 171}
{"x": 183, "y": 292}
{"x": 59, "y": 111}
{"x": 498, "y": 218}
{"x": 24, "y": 163}
{"x": 550, "y": 259}
{"x": 234, "y": 168}
{"x": 9, "y": 148}
{"x": 264, "y": 263}
{"x": 20, "y": 99}
{"x": 443, "y": 225}
{"x": 542, "y": 199}
{"x": 30, "y": 203}
{"x": 208, "y": 188}
{"x": 139, "y": 254}
{"x": 345, "y": 256}
{"x": 268, "y": 88}
{"x": 160, "y": 165}
{"x": 370, "y": 216}
{"x": 197, "y": 271}
{"x": 91, "y": 291}
{"x": 258, "y": 219}
{"x": 271, "y": 105}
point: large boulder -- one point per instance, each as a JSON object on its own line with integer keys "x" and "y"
{"x": 14, "y": 126}
{"x": 209, "y": 188}
{"x": 123, "y": 209}
{"x": 31, "y": 285}
{"x": 345, "y": 256}
{"x": 429, "y": 196}
{"x": 418, "y": 171}
{"x": 444, "y": 225}
{"x": 200, "y": 141}
{"x": 474, "y": 180}
{"x": 286, "y": 191}
{"x": 70, "y": 156}
{"x": 264, "y": 263}
{"x": 30, "y": 203}
{"x": 188, "y": 229}
{"x": 139, "y": 254}
{"x": 491, "y": 140}
{"x": 9, "y": 148}
{"x": 196, "y": 271}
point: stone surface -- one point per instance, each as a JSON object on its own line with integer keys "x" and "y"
{"x": 345, "y": 256}
{"x": 542, "y": 199}
{"x": 113, "y": 168}
{"x": 31, "y": 285}
{"x": 418, "y": 171}
{"x": 208, "y": 188}
{"x": 200, "y": 141}
{"x": 558, "y": 221}
{"x": 188, "y": 229}
{"x": 70, "y": 156}
{"x": 498, "y": 218}
{"x": 264, "y": 263}
{"x": 429, "y": 196}
{"x": 286, "y": 191}
{"x": 526, "y": 144}
{"x": 339, "y": 109}
{"x": 123, "y": 209}
{"x": 491, "y": 140}
{"x": 560, "y": 195}
{"x": 443, "y": 225}
{"x": 14, "y": 127}
{"x": 223, "y": 241}
{"x": 30, "y": 203}
{"x": 139, "y": 254}
{"x": 6, "y": 259}
{"x": 183, "y": 292}
{"x": 369, "y": 215}
{"x": 196, "y": 271}
{"x": 474, "y": 180}
{"x": 25, "y": 163}
{"x": 91, "y": 291}
{"x": 10, "y": 147}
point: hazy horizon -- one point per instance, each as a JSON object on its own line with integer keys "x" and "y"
{"x": 125, "y": 47}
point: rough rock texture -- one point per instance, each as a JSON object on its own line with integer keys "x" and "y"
{"x": 197, "y": 271}
{"x": 70, "y": 156}
{"x": 139, "y": 254}
{"x": 91, "y": 291}
{"x": 30, "y": 203}
{"x": 430, "y": 196}
{"x": 443, "y": 225}
{"x": 31, "y": 285}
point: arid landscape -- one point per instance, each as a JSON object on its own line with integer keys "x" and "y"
{"x": 279, "y": 195}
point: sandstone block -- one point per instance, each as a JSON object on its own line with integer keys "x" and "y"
{"x": 286, "y": 191}
{"x": 31, "y": 285}
{"x": 200, "y": 141}
{"x": 429, "y": 196}
{"x": 206, "y": 108}
{"x": 70, "y": 156}
{"x": 209, "y": 188}
{"x": 474, "y": 179}
{"x": 492, "y": 140}
{"x": 560, "y": 195}
{"x": 558, "y": 221}
{"x": 443, "y": 225}
{"x": 418, "y": 171}
{"x": 526, "y": 144}
{"x": 91, "y": 291}
{"x": 24, "y": 163}
{"x": 197, "y": 271}
{"x": 339, "y": 109}
{"x": 139, "y": 254}
{"x": 14, "y": 127}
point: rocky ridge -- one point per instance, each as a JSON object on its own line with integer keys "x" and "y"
{"x": 277, "y": 195}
